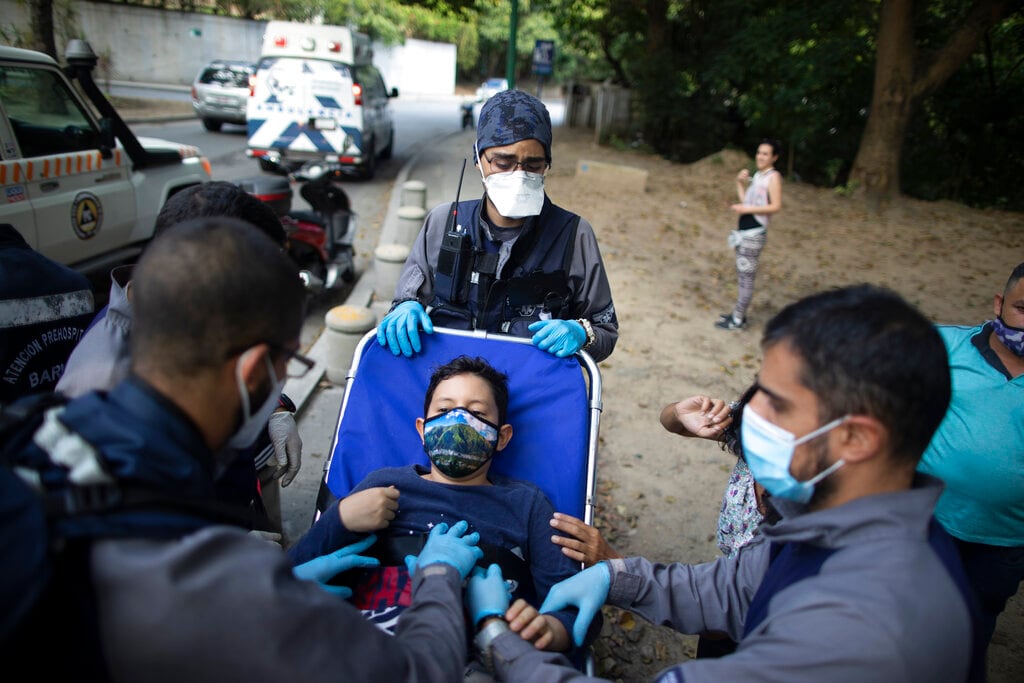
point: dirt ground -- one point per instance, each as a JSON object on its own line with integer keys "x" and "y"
{"x": 672, "y": 273}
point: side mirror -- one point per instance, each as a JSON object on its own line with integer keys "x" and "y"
{"x": 393, "y": 93}
{"x": 107, "y": 142}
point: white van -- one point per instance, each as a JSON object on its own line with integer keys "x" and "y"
{"x": 317, "y": 98}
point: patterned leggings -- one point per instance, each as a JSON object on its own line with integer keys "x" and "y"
{"x": 747, "y": 254}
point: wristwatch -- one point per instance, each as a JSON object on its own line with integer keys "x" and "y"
{"x": 589, "y": 329}
{"x": 495, "y": 627}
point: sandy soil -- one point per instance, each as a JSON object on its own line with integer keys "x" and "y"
{"x": 672, "y": 274}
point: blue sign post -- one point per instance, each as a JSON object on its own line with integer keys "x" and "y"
{"x": 543, "y": 62}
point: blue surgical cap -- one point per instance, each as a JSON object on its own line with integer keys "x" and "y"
{"x": 510, "y": 116}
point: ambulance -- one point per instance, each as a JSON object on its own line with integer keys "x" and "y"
{"x": 317, "y": 99}
{"x": 77, "y": 184}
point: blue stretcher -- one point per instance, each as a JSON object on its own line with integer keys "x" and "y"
{"x": 554, "y": 407}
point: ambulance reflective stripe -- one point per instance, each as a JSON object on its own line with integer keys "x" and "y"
{"x": 328, "y": 102}
{"x": 290, "y": 138}
{"x": 291, "y": 135}
{"x": 43, "y": 309}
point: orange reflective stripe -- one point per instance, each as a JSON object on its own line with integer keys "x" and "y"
{"x": 17, "y": 173}
{"x": 29, "y": 168}
{"x": 46, "y": 168}
{"x": 117, "y": 155}
{"x": 67, "y": 164}
{"x": 3, "y": 174}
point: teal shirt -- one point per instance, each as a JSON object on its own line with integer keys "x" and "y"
{"x": 978, "y": 450}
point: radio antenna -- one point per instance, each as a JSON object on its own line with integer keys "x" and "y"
{"x": 455, "y": 204}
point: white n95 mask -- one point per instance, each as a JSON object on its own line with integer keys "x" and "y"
{"x": 516, "y": 194}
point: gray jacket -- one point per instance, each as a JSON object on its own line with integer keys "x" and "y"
{"x": 882, "y": 607}
{"x": 154, "y": 600}
{"x": 587, "y": 276}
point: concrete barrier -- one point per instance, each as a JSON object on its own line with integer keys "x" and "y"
{"x": 388, "y": 260}
{"x": 414, "y": 193}
{"x": 410, "y": 220}
{"x": 344, "y": 326}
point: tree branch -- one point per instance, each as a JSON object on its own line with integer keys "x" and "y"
{"x": 949, "y": 58}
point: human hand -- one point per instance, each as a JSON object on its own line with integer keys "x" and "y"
{"x": 486, "y": 594}
{"x": 739, "y": 209}
{"x": 585, "y": 591}
{"x": 545, "y": 632}
{"x": 700, "y": 416}
{"x": 324, "y": 568}
{"x": 399, "y": 330}
{"x": 370, "y": 509}
{"x": 585, "y": 543}
{"x": 284, "y": 435}
{"x": 449, "y": 547}
{"x": 743, "y": 176}
{"x": 559, "y": 337}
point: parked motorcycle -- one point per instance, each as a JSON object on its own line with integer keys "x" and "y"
{"x": 319, "y": 241}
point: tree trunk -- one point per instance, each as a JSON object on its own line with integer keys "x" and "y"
{"x": 41, "y": 23}
{"x": 903, "y": 77}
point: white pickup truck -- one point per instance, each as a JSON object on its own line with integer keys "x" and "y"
{"x": 78, "y": 185}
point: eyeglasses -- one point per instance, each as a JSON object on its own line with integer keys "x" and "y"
{"x": 506, "y": 164}
{"x": 298, "y": 365}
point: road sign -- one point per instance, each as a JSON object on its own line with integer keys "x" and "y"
{"x": 543, "y": 57}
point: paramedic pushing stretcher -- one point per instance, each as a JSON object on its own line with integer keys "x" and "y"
{"x": 511, "y": 262}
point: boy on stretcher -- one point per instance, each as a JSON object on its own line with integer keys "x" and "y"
{"x": 463, "y": 429}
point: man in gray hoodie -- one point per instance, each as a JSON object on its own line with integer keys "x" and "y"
{"x": 857, "y": 581}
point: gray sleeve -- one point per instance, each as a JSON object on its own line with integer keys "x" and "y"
{"x": 220, "y": 604}
{"x": 100, "y": 359}
{"x": 713, "y": 596}
{"x": 417, "y": 278}
{"x": 517, "y": 660}
{"x": 593, "y": 295}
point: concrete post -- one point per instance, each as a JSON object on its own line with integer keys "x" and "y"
{"x": 388, "y": 260}
{"x": 344, "y": 326}
{"x": 410, "y": 220}
{"x": 414, "y": 193}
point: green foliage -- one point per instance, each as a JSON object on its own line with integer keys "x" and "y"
{"x": 960, "y": 142}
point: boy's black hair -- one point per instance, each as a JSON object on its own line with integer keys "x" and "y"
{"x": 465, "y": 365}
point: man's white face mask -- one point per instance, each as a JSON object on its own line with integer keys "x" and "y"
{"x": 515, "y": 194}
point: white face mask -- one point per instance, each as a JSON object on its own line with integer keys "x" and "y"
{"x": 253, "y": 423}
{"x": 516, "y": 194}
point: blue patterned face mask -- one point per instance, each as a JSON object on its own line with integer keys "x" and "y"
{"x": 1012, "y": 337}
{"x": 459, "y": 443}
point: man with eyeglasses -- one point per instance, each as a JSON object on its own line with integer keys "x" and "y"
{"x": 512, "y": 261}
{"x": 162, "y": 582}
{"x": 101, "y": 358}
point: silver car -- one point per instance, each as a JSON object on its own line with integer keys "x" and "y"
{"x": 220, "y": 92}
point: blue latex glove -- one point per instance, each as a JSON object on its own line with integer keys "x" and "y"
{"x": 399, "y": 330}
{"x": 560, "y": 337}
{"x": 324, "y": 568}
{"x": 449, "y": 547}
{"x": 585, "y": 591}
{"x": 487, "y": 593}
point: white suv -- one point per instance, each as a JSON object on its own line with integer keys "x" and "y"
{"x": 78, "y": 185}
